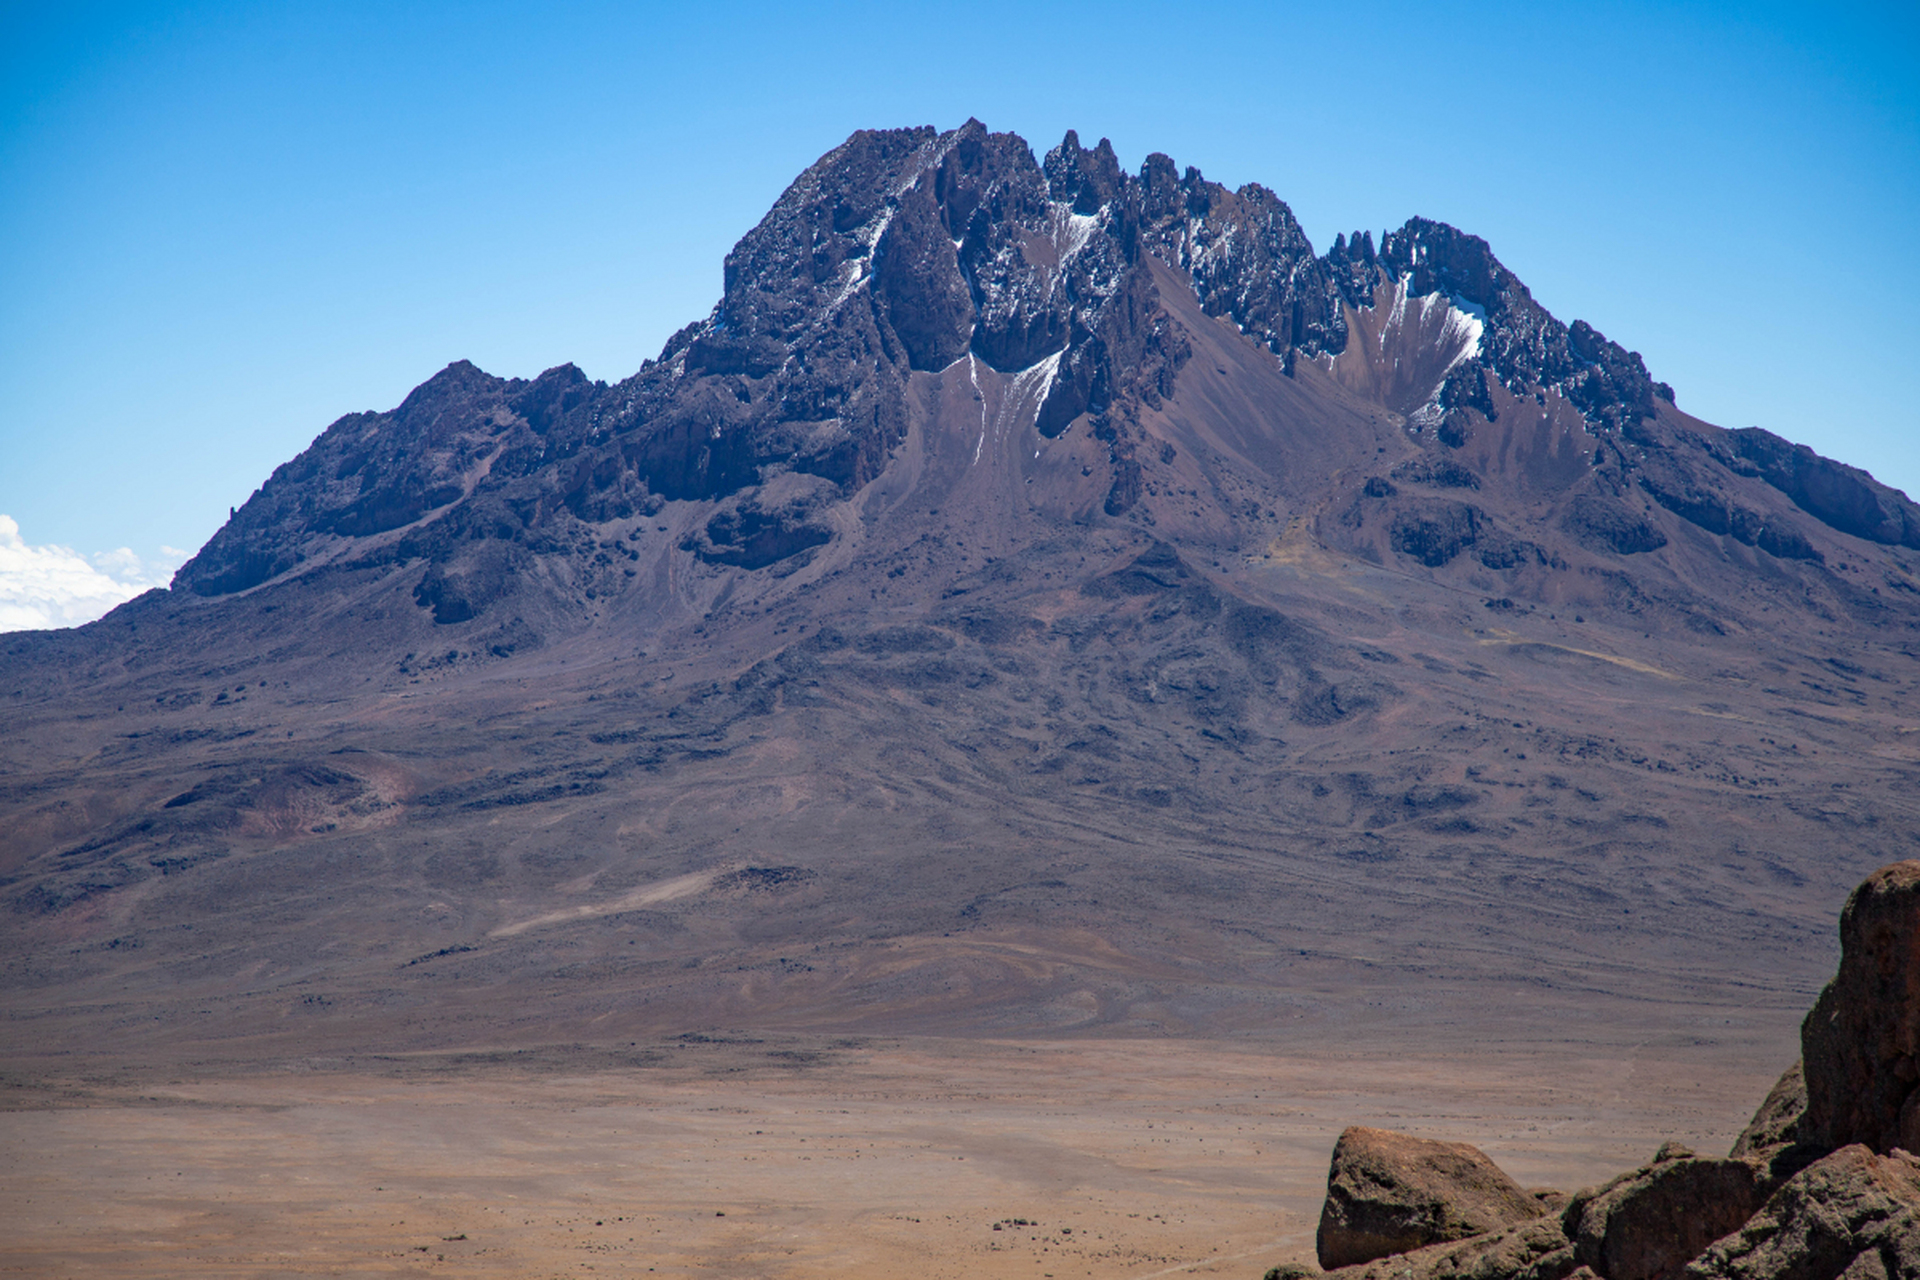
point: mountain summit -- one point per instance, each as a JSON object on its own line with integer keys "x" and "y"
{"x": 1037, "y": 596}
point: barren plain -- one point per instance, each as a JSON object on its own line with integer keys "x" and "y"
{"x": 793, "y": 1156}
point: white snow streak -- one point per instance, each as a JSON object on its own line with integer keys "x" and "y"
{"x": 1399, "y": 312}
{"x": 973, "y": 374}
{"x": 1071, "y": 231}
{"x": 1043, "y": 373}
{"x": 1465, "y": 322}
{"x": 1466, "y": 329}
{"x": 856, "y": 269}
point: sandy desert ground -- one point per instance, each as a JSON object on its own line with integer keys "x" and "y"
{"x": 748, "y": 1156}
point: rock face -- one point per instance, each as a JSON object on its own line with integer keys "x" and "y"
{"x": 1821, "y": 1185}
{"x": 1648, "y": 1224}
{"x": 1841, "y": 496}
{"x": 901, "y": 253}
{"x": 1854, "y": 1215}
{"x": 1861, "y": 1041}
{"x": 1536, "y": 1251}
{"x": 1775, "y": 1139}
{"x": 1777, "y": 1123}
{"x": 1390, "y": 1192}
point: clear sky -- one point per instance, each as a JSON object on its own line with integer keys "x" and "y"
{"x": 222, "y": 225}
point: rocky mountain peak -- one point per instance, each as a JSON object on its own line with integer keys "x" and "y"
{"x": 904, "y": 261}
{"x": 1087, "y": 181}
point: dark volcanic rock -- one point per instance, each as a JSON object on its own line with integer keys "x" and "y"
{"x": 1441, "y": 473}
{"x": 1389, "y": 1193}
{"x": 1845, "y": 497}
{"x": 1247, "y": 257}
{"x": 1648, "y": 1224}
{"x": 917, "y": 284}
{"x": 1607, "y": 524}
{"x": 1777, "y": 1123}
{"x": 1687, "y": 474}
{"x": 1854, "y": 1215}
{"x": 1435, "y": 531}
{"x": 1522, "y": 344}
{"x": 1086, "y": 180}
{"x": 367, "y": 474}
{"x": 1861, "y": 1041}
{"x": 760, "y": 526}
{"x": 459, "y": 590}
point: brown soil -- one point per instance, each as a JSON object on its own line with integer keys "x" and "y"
{"x": 787, "y": 1157}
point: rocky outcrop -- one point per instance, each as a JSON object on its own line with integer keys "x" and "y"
{"x": 1844, "y": 497}
{"x": 1537, "y": 1250}
{"x": 1436, "y": 531}
{"x": 1248, "y": 258}
{"x": 1522, "y": 344}
{"x": 1820, "y": 1185}
{"x": 1854, "y": 1215}
{"x": 1648, "y": 1224}
{"x": 767, "y": 523}
{"x": 1774, "y": 1139}
{"x": 900, "y": 254}
{"x": 1605, "y": 524}
{"x": 1861, "y": 1041}
{"x": 1390, "y": 1192}
{"x": 367, "y": 474}
{"x": 1250, "y": 262}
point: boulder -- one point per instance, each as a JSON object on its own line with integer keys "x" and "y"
{"x": 1776, "y": 1124}
{"x": 1774, "y": 1140}
{"x": 1861, "y": 1041}
{"x": 1648, "y": 1224}
{"x": 1536, "y": 1251}
{"x": 1389, "y": 1193}
{"x": 1854, "y": 1215}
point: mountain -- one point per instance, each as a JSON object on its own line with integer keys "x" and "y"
{"x": 1038, "y": 597}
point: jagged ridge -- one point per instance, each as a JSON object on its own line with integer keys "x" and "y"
{"x": 903, "y": 251}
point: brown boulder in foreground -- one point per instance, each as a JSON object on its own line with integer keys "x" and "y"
{"x": 1776, "y": 1125}
{"x": 1535, "y": 1251}
{"x": 1389, "y": 1193}
{"x": 1648, "y": 1224}
{"x": 1861, "y": 1041}
{"x": 1821, "y": 1185}
{"x": 1774, "y": 1140}
{"x": 1854, "y": 1215}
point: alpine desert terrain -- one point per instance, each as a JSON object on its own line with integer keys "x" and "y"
{"x": 1049, "y": 653}
{"x": 786, "y": 1156}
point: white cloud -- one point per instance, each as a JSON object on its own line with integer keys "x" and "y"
{"x": 54, "y": 586}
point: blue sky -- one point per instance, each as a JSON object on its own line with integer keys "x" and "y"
{"x": 223, "y": 225}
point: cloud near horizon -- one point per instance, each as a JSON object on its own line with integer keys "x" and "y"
{"x": 53, "y": 586}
